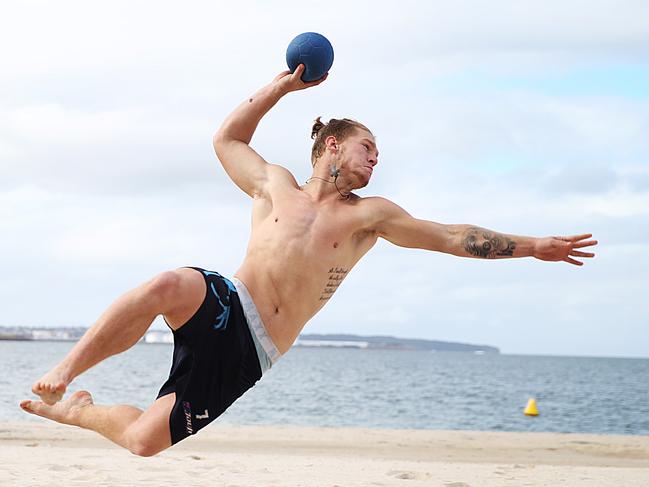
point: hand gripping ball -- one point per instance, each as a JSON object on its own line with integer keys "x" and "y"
{"x": 314, "y": 51}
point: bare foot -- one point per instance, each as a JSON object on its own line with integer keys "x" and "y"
{"x": 51, "y": 387}
{"x": 66, "y": 412}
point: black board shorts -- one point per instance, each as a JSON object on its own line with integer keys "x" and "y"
{"x": 214, "y": 359}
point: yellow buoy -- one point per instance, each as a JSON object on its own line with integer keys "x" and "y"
{"x": 530, "y": 409}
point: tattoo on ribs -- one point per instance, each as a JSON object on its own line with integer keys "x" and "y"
{"x": 484, "y": 243}
{"x": 336, "y": 276}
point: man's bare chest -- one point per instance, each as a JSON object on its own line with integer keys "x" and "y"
{"x": 323, "y": 225}
{"x": 294, "y": 218}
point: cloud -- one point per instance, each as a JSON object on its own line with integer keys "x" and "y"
{"x": 107, "y": 175}
{"x": 112, "y": 151}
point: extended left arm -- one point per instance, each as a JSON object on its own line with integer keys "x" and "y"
{"x": 400, "y": 228}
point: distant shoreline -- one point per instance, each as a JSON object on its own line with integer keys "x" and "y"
{"x": 73, "y": 334}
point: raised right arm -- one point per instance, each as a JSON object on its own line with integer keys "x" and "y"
{"x": 245, "y": 167}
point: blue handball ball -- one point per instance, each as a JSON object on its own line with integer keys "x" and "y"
{"x": 314, "y": 51}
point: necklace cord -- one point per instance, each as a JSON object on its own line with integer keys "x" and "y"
{"x": 346, "y": 196}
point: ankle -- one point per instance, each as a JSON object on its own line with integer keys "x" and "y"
{"x": 83, "y": 416}
{"x": 64, "y": 372}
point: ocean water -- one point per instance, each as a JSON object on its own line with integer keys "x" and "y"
{"x": 376, "y": 388}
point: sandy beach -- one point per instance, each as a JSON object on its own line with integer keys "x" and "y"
{"x": 41, "y": 454}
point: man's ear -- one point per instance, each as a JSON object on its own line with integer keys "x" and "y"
{"x": 331, "y": 143}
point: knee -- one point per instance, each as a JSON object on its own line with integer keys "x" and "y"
{"x": 144, "y": 448}
{"x": 176, "y": 294}
{"x": 164, "y": 286}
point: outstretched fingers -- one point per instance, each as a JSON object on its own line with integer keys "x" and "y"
{"x": 572, "y": 261}
{"x": 575, "y": 238}
{"x": 587, "y": 243}
{"x": 577, "y": 253}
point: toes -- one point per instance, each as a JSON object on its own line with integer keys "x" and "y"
{"x": 36, "y": 407}
{"x": 41, "y": 388}
{"x": 29, "y": 406}
{"x": 50, "y": 392}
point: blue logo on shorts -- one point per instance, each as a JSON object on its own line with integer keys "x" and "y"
{"x": 222, "y": 318}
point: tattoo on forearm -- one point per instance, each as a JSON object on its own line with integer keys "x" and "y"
{"x": 485, "y": 243}
{"x": 336, "y": 276}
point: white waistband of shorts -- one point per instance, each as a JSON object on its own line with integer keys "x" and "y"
{"x": 254, "y": 321}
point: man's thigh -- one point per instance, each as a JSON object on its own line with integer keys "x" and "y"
{"x": 189, "y": 294}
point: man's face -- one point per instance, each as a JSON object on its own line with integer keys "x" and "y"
{"x": 360, "y": 156}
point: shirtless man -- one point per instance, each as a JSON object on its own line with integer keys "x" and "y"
{"x": 304, "y": 241}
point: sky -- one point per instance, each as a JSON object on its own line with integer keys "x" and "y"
{"x": 527, "y": 118}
